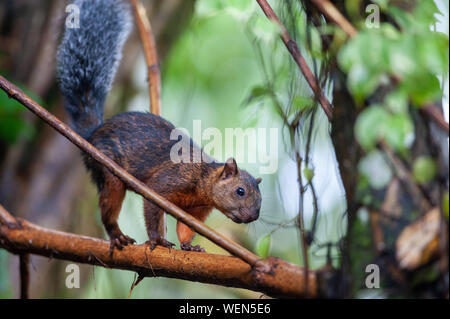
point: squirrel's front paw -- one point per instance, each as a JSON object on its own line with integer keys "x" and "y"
{"x": 153, "y": 242}
{"x": 189, "y": 247}
{"x": 119, "y": 241}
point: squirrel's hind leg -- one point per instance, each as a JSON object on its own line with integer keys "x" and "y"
{"x": 154, "y": 224}
{"x": 111, "y": 198}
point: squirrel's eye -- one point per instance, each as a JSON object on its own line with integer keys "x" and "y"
{"x": 240, "y": 191}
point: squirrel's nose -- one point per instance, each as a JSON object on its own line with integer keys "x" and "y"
{"x": 254, "y": 216}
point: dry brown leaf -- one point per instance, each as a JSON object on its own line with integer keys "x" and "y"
{"x": 419, "y": 242}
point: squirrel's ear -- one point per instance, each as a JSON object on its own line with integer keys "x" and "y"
{"x": 230, "y": 169}
{"x": 258, "y": 180}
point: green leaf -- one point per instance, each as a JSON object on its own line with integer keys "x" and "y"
{"x": 402, "y": 55}
{"x": 369, "y": 48}
{"x": 301, "y": 103}
{"x": 348, "y": 55}
{"x": 433, "y": 52}
{"x": 263, "y": 246}
{"x": 362, "y": 82}
{"x": 375, "y": 123}
{"x": 422, "y": 18}
{"x": 422, "y": 87}
{"x": 257, "y": 92}
{"x": 424, "y": 169}
{"x": 368, "y": 126}
{"x": 398, "y": 131}
{"x": 397, "y": 101}
{"x": 12, "y": 124}
{"x": 316, "y": 43}
{"x": 309, "y": 174}
{"x": 425, "y": 13}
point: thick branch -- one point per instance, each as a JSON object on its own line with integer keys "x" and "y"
{"x": 151, "y": 56}
{"x": 292, "y": 47}
{"x": 135, "y": 184}
{"x": 287, "y": 280}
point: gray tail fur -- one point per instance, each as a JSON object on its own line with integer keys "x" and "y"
{"x": 88, "y": 58}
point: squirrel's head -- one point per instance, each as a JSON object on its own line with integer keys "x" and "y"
{"x": 236, "y": 193}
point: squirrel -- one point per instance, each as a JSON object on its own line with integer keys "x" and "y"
{"x": 87, "y": 60}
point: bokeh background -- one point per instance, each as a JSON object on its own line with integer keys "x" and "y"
{"x": 210, "y": 66}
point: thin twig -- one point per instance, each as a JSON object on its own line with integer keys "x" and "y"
{"x": 436, "y": 115}
{"x": 24, "y": 260}
{"x": 136, "y": 281}
{"x": 151, "y": 56}
{"x": 7, "y": 219}
{"x": 300, "y": 221}
{"x": 292, "y": 47}
{"x": 132, "y": 182}
{"x": 153, "y": 71}
{"x": 330, "y": 11}
{"x": 315, "y": 211}
{"x": 310, "y": 182}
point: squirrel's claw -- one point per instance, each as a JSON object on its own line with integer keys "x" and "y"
{"x": 119, "y": 241}
{"x": 189, "y": 247}
{"x": 153, "y": 242}
{"x": 114, "y": 243}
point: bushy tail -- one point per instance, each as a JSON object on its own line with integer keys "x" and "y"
{"x": 88, "y": 58}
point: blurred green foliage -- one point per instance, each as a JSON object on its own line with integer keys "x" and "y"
{"x": 12, "y": 123}
{"x": 415, "y": 55}
{"x": 390, "y": 70}
{"x": 424, "y": 169}
{"x": 5, "y": 281}
{"x": 214, "y": 69}
{"x": 263, "y": 246}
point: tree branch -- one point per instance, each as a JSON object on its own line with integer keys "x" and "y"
{"x": 330, "y": 11}
{"x": 132, "y": 182}
{"x": 151, "y": 56}
{"x": 287, "y": 280}
{"x": 153, "y": 71}
{"x": 436, "y": 115}
{"x": 300, "y": 219}
{"x": 24, "y": 268}
{"x": 292, "y": 47}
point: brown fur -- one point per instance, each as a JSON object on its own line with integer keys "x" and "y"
{"x": 140, "y": 143}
